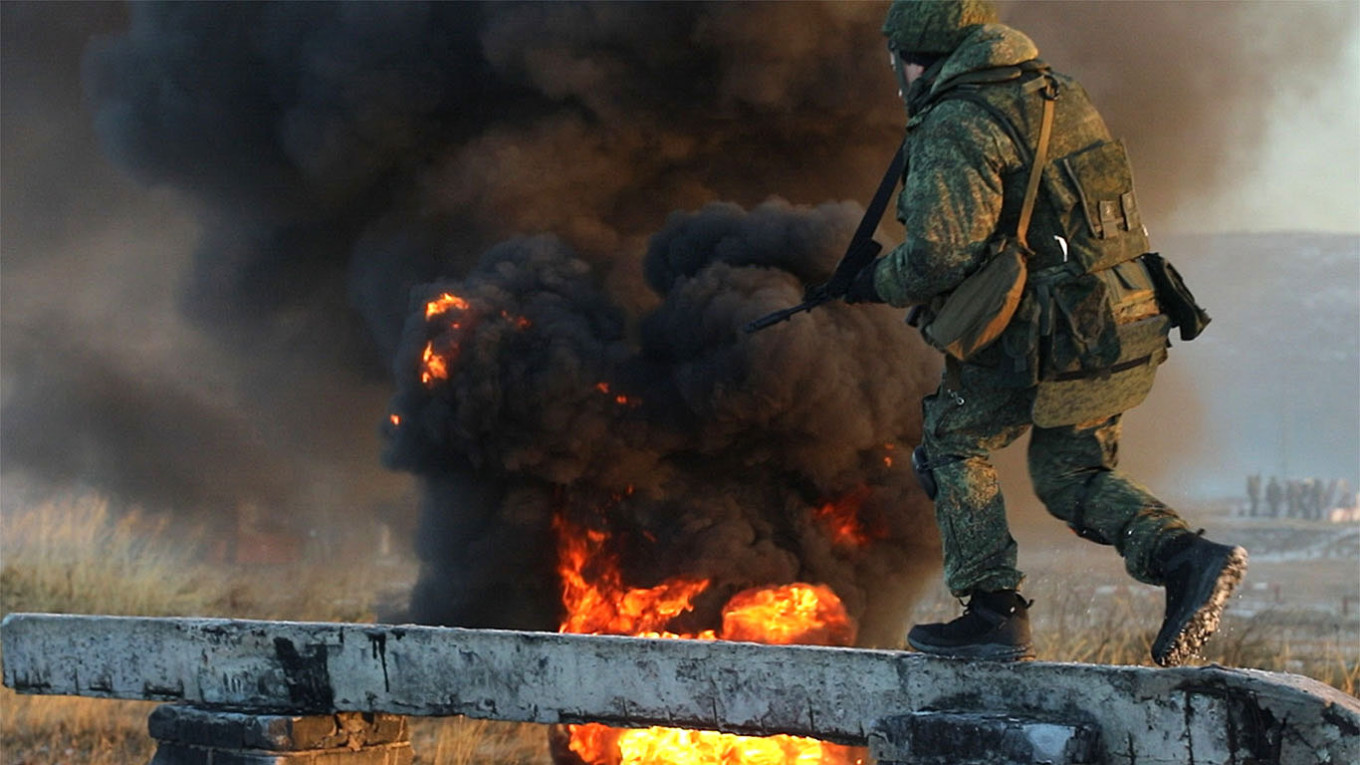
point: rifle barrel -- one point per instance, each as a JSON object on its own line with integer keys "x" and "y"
{"x": 783, "y": 315}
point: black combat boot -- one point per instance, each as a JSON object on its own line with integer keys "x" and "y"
{"x": 1199, "y": 577}
{"x": 994, "y": 626}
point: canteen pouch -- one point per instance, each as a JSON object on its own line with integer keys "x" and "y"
{"x": 974, "y": 315}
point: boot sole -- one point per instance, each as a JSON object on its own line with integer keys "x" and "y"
{"x": 1204, "y": 622}
{"x": 976, "y": 652}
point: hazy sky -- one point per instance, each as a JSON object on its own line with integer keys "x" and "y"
{"x": 1308, "y": 174}
{"x": 1283, "y": 77}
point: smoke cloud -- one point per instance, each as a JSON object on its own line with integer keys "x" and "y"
{"x": 614, "y": 188}
{"x": 710, "y": 449}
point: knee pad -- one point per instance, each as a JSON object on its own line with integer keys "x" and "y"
{"x": 1077, "y": 522}
{"x": 925, "y": 472}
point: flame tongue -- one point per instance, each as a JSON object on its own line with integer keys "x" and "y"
{"x": 448, "y": 318}
{"x": 597, "y": 602}
{"x": 796, "y": 613}
{"x": 444, "y": 303}
{"x": 841, "y": 519}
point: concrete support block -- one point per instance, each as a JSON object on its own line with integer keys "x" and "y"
{"x": 187, "y": 735}
{"x": 966, "y": 738}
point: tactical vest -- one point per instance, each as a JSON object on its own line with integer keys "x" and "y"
{"x": 1089, "y": 198}
{"x": 1089, "y": 331}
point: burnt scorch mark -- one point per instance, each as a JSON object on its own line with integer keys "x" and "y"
{"x": 1253, "y": 731}
{"x": 307, "y": 676}
{"x": 377, "y": 642}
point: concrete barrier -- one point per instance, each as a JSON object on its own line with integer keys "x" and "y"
{"x": 904, "y": 706}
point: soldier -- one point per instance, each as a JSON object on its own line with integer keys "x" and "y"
{"x": 1316, "y": 503}
{"x": 1274, "y": 495}
{"x": 978, "y": 99}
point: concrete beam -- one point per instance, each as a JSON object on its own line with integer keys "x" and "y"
{"x": 1144, "y": 715}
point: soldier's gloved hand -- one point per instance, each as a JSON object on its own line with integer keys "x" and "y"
{"x": 817, "y": 292}
{"x": 863, "y": 289}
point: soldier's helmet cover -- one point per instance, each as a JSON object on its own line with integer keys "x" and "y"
{"x": 934, "y": 27}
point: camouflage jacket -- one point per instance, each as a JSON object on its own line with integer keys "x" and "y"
{"x": 965, "y": 177}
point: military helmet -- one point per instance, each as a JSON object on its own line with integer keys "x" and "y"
{"x": 934, "y": 27}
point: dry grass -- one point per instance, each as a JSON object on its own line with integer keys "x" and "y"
{"x": 460, "y": 741}
{"x": 77, "y": 556}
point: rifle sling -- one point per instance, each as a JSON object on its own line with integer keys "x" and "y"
{"x": 848, "y": 267}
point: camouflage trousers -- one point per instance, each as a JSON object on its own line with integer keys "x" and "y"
{"x": 1073, "y": 470}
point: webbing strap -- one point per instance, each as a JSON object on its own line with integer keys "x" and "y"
{"x": 1036, "y": 170}
{"x": 953, "y": 375}
{"x": 1084, "y": 374}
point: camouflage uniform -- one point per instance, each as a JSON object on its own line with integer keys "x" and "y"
{"x": 964, "y": 183}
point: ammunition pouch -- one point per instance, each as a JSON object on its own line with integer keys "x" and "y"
{"x": 1092, "y": 191}
{"x": 1079, "y": 396}
{"x": 1096, "y": 340}
{"x": 1175, "y": 298}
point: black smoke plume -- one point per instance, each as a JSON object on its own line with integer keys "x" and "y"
{"x": 707, "y": 450}
{"x": 529, "y": 157}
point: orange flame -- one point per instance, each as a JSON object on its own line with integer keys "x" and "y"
{"x": 437, "y": 358}
{"x": 795, "y": 614}
{"x": 841, "y": 520}
{"x": 433, "y": 365}
{"x": 619, "y": 398}
{"x": 519, "y": 321}
{"x": 597, "y": 602}
{"x": 444, "y": 303}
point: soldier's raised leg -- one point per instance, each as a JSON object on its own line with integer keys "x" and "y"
{"x": 1074, "y": 473}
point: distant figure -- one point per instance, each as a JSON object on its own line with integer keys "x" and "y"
{"x": 1317, "y": 501}
{"x": 987, "y": 121}
{"x": 1253, "y": 494}
{"x": 1306, "y": 498}
{"x": 1273, "y": 497}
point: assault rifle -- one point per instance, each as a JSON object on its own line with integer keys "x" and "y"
{"x": 860, "y": 253}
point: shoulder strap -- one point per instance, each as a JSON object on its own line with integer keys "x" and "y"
{"x": 1036, "y": 159}
{"x": 1036, "y": 170}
